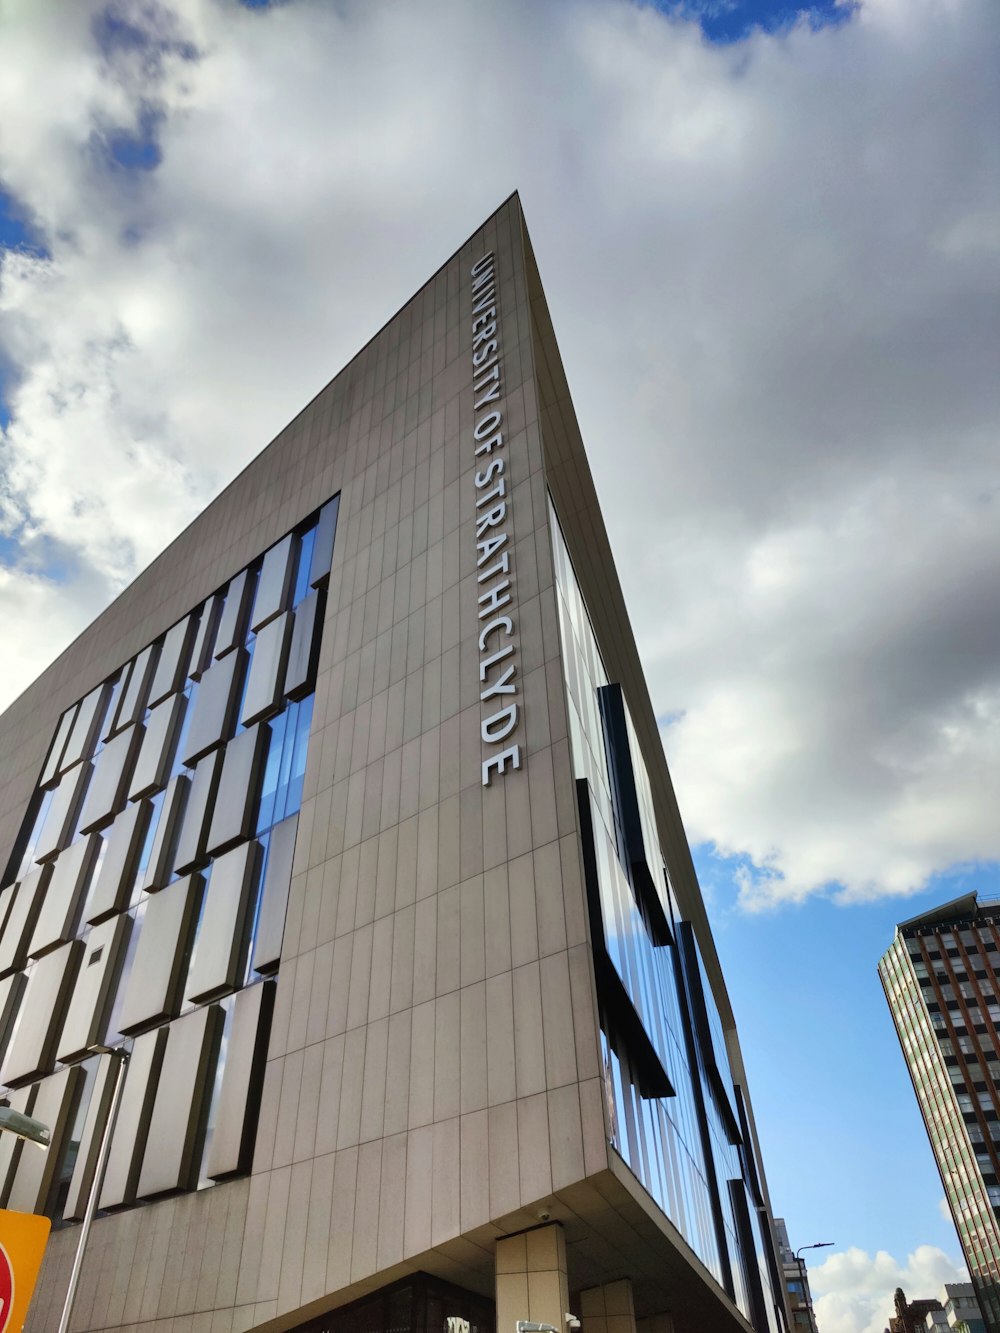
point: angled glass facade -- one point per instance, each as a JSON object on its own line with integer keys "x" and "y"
{"x": 671, "y": 1099}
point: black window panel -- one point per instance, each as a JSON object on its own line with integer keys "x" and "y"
{"x": 645, "y": 879}
{"x": 231, "y": 630}
{"x": 23, "y": 838}
{"x": 303, "y": 657}
{"x": 747, "y": 1256}
{"x": 688, "y": 953}
{"x": 746, "y": 1150}
{"x": 326, "y": 532}
{"x": 704, "y": 1134}
{"x": 652, "y": 1078}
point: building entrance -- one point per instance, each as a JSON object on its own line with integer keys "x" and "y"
{"x": 418, "y": 1304}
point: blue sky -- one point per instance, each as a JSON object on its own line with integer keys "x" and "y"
{"x": 727, "y": 21}
{"x": 15, "y": 233}
{"x": 828, "y": 1079}
{"x": 765, "y": 235}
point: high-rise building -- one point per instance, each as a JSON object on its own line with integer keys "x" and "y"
{"x": 941, "y": 975}
{"x": 349, "y": 820}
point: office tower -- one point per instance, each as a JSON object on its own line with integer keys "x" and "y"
{"x": 350, "y": 817}
{"x": 940, "y": 978}
{"x": 796, "y": 1280}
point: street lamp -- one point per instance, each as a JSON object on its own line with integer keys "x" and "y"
{"x": 120, "y": 1057}
{"x": 801, "y": 1264}
{"x": 24, "y": 1126}
{"x": 35, "y": 1132}
{"x": 817, "y": 1245}
{"x": 528, "y": 1325}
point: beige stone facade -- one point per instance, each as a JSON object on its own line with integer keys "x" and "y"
{"x": 435, "y": 1084}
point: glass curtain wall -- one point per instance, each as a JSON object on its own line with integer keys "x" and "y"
{"x": 660, "y": 1091}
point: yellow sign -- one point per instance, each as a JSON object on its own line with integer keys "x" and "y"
{"x": 22, "y": 1246}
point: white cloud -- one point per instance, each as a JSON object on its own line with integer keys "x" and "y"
{"x": 35, "y": 617}
{"x": 853, "y": 1291}
{"x": 773, "y": 273}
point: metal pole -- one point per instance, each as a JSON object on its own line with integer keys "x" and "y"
{"x": 807, "y": 1304}
{"x": 807, "y": 1301}
{"x": 121, "y": 1061}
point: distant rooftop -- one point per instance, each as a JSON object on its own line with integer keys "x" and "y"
{"x": 965, "y": 908}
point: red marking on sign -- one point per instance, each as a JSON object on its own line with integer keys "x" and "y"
{"x": 6, "y": 1289}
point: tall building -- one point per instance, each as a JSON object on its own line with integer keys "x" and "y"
{"x": 796, "y": 1281}
{"x": 940, "y": 976}
{"x": 349, "y": 820}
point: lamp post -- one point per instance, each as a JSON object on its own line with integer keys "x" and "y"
{"x": 24, "y": 1126}
{"x": 801, "y": 1264}
{"x": 120, "y": 1057}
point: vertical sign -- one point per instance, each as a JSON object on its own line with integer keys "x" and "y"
{"x": 493, "y": 525}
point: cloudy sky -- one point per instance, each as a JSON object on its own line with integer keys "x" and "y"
{"x": 770, "y": 242}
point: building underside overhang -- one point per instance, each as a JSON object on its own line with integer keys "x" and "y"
{"x": 613, "y": 1230}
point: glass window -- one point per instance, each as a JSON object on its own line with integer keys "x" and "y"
{"x": 282, "y": 797}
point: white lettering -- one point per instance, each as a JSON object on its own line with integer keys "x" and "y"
{"x": 495, "y": 598}
{"x": 493, "y": 374}
{"x": 487, "y": 424}
{"x": 493, "y": 519}
{"x": 480, "y": 363}
{"x": 487, "y": 446}
{"x": 490, "y": 397}
{"x": 493, "y": 551}
{"x": 501, "y": 622}
{"x": 482, "y": 478}
{"x": 500, "y": 686}
{"x": 500, "y": 762}
{"x": 493, "y": 659}
{"x": 487, "y": 547}
{"x": 499, "y": 489}
{"x": 502, "y": 566}
{"x": 498, "y": 727}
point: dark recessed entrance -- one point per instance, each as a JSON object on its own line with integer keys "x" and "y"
{"x": 418, "y": 1304}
